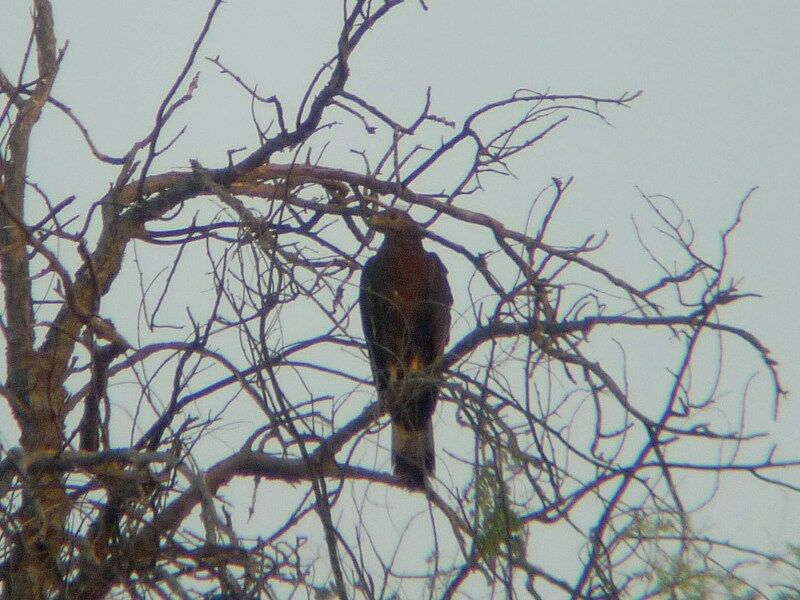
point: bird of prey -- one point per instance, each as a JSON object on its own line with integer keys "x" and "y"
{"x": 405, "y": 311}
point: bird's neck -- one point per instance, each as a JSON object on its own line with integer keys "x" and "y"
{"x": 403, "y": 245}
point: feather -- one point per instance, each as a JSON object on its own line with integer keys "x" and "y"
{"x": 405, "y": 305}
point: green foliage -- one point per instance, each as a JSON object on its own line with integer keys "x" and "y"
{"x": 678, "y": 565}
{"x": 498, "y": 526}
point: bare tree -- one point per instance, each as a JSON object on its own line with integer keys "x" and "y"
{"x": 236, "y": 447}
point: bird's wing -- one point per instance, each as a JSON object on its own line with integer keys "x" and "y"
{"x": 373, "y": 309}
{"x": 434, "y": 321}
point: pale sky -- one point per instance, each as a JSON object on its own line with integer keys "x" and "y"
{"x": 718, "y": 116}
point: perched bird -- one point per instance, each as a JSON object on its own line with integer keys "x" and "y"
{"x": 405, "y": 310}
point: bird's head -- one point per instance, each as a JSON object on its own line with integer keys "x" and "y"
{"x": 394, "y": 222}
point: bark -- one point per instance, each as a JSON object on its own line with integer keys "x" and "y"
{"x": 37, "y": 396}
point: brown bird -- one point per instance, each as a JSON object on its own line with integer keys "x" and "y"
{"x": 405, "y": 310}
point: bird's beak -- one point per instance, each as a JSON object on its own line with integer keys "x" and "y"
{"x": 377, "y": 222}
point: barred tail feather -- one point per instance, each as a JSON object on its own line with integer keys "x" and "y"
{"x": 412, "y": 454}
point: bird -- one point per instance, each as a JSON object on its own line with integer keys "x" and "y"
{"x": 405, "y": 303}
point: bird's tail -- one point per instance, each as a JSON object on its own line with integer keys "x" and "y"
{"x": 412, "y": 454}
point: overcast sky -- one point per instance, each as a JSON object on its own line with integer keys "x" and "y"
{"x": 718, "y": 115}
